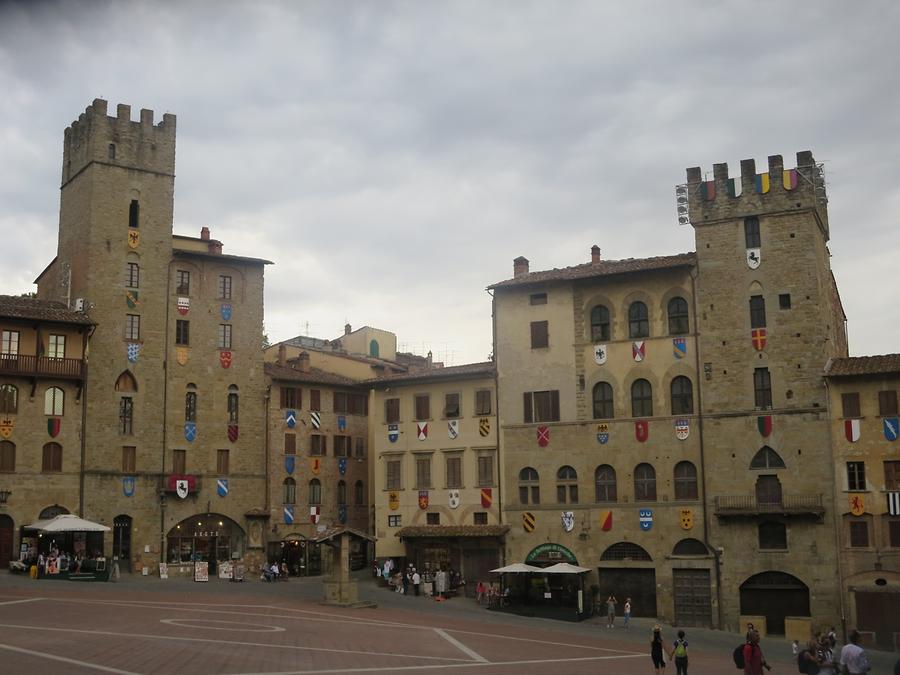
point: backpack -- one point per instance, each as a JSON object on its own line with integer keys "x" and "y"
{"x": 806, "y": 663}
{"x": 738, "y": 656}
{"x": 680, "y": 649}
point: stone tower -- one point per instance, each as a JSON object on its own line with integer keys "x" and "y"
{"x": 769, "y": 319}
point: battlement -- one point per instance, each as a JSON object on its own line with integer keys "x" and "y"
{"x": 119, "y": 141}
{"x": 702, "y": 202}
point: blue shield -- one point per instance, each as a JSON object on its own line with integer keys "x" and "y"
{"x": 289, "y": 515}
{"x": 289, "y": 463}
{"x": 679, "y": 347}
{"x": 645, "y": 518}
{"x": 342, "y": 465}
{"x": 226, "y": 312}
{"x": 890, "y": 428}
{"x": 222, "y": 487}
{"x": 602, "y": 438}
{"x": 190, "y": 431}
{"x": 342, "y": 423}
{"x": 134, "y": 350}
{"x": 128, "y": 486}
{"x": 393, "y": 432}
{"x": 290, "y": 418}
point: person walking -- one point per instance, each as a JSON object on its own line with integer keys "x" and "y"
{"x": 679, "y": 654}
{"x": 853, "y": 657}
{"x": 611, "y": 611}
{"x": 754, "y": 661}
{"x": 405, "y": 582}
{"x": 417, "y": 580}
{"x": 656, "y": 651}
{"x": 627, "y": 613}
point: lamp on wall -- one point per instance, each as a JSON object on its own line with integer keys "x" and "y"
{"x": 4, "y": 496}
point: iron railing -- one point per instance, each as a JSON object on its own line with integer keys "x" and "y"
{"x": 750, "y": 505}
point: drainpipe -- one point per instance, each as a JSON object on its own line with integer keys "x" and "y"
{"x": 85, "y": 353}
{"x": 165, "y": 408}
{"x": 266, "y": 446}
{"x": 500, "y": 463}
{"x": 835, "y": 523}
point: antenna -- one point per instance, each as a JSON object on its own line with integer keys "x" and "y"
{"x": 682, "y": 204}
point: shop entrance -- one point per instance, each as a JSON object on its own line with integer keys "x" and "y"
{"x": 122, "y": 542}
{"x": 774, "y": 595}
{"x": 212, "y": 538}
{"x": 6, "y": 541}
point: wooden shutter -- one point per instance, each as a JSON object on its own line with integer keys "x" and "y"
{"x": 554, "y": 405}
{"x": 527, "y": 417}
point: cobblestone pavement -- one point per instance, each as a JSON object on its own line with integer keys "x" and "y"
{"x": 178, "y": 626}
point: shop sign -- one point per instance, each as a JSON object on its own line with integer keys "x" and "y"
{"x": 201, "y": 571}
{"x": 551, "y": 551}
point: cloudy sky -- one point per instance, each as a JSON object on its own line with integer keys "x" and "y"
{"x": 392, "y": 158}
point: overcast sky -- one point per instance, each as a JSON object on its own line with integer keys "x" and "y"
{"x": 392, "y": 158}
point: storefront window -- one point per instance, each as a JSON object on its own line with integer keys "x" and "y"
{"x": 212, "y": 538}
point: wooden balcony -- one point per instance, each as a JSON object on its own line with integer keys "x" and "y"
{"x": 24, "y": 365}
{"x": 789, "y": 505}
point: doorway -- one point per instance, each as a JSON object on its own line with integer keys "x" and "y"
{"x": 6, "y": 541}
{"x": 122, "y": 542}
{"x": 774, "y": 595}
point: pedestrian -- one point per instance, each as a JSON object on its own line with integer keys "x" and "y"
{"x": 679, "y": 654}
{"x": 656, "y": 651}
{"x": 405, "y": 582}
{"x": 806, "y": 659}
{"x": 795, "y": 650}
{"x": 417, "y": 580}
{"x": 754, "y": 661}
{"x": 479, "y": 592}
{"x": 611, "y": 611}
{"x": 825, "y": 656}
{"x": 627, "y": 613}
{"x": 832, "y": 637}
{"x": 853, "y": 657}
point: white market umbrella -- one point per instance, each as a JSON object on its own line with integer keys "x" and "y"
{"x": 565, "y": 568}
{"x": 67, "y": 523}
{"x": 516, "y": 568}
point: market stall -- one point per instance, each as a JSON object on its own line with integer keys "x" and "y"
{"x": 69, "y": 547}
{"x": 554, "y": 592}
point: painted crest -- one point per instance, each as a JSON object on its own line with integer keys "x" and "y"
{"x": 759, "y": 337}
{"x": 315, "y": 513}
{"x": 764, "y": 424}
{"x": 543, "y": 436}
{"x": 315, "y": 464}
{"x": 289, "y": 463}
{"x": 600, "y": 353}
{"x": 421, "y": 430}
{"x": 453, "y": 429}
{"x": 423, "y": 499}
{"x": 133, "y": 351}
{"x": 222, "y": 487}
{"x": 679, "y": 347}
{"x": 568, "y": 520}
{"x": 316, "y": 419}
{"x": 890, "y": 428}
{"x": 134, "y": 238}
{"x": 288, "y": 515}
{"x": 128, "y": 486}
{"x": 606, "y": 520}
{"x": 342, "y": 465}
{"x": 754, "y": 258}
{"x": 225, "y": 358}
{"x": 181, "y": 355}
{"x": 225, "y": 311}
{"x": 190, "y": 431}
{"x": 183, "y": 305}
{"x": 53, "y": 425}
{"x": 453, "y": 499}
{"x": 642, "y": 430}
{"x": 893, "y": 499}
{"x": 682, "y": 428}
{"x": 6, "y": 427}
{"x": 687, "y": 519}
{"x": 528, "y": 521}
{"x": 394, "y": 501}
{"x": 181, "y": 487}
{"x": 232, "y": 432}
{"x": 342, "y": 513}
{"x": 290, "y": 418}
{"x": 639, "y": 350}
{"x": 484, "y": 426}
{"x": 857, "y": 505}
{"x": 851, "y": 430}
{"x": 487, "y": 497}
{"x": 603, "y": 433}
{"x": 342, "y": 423}
{"x": 645, "y": 519}
{"x": 393, "y": 432}
{"x": 131, "y": 299}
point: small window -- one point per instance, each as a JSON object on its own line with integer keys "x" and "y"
{"x": 343, "y": 446}
{"x": 638, "y": 320}
{"x": 859, "y": 534}
{"x": 134, "y": 213}
{"x": 9, "y": 399}
{"x": 856, "y": 475}
{"x": 182, "y": 332}
{"x": 850, "y": 404}
{"x": 315, "y": 400}
{"x": 685, "y": 481}
{"x": 111, "y": 151}
{"x": 887, "y": 402}
{"x": 340, "y": 402}
{"x": 644, "y": 483}
{"x": 315, "y": 491}
{"x": 374, "y": 350}
{"x": 182, "y": 282}
{"x": 423, "y": 473}
{"x": 394, "y": 521}
{"x": 225, "y": 287}
{"x": 223, "y": 457}
{"x": 454, "y": 471}
{"x": 360, "y": 447}
{"x": 224, "y": 336}
{"x": 682, "y": 396}
{"x": 480, "y": 518}
{"x": 132, "y": 327}
{"x": 7, "y": 457}
{"x": 126, "y": 382}
{"x": 392, "y": 410}
{"x": 132, "y": 275}
{"x": 485, "y": 471}
{"x": 392, "y": 475}
{"x": 341, "y": 495}
{"x": 233, "y": 404}
{"x": 54, "y": 401}
{"x": 56, "y": 347}
{"x": 784, "y": 301}
{"x": 9, "y": 343}
{"x": 772, "y": 536}
{"x": 359, "y": 493}
{"x": 423, "y": 407}
{"x": 894, "y": 533}
{"x": 179, "y": 462}
{"x": 751, "y": 232}
{"x": 605, "y": 483}
{"x": 541, "y": 406}
{"x": 483, "y": 402}
{"x": 678, "y": 317}
{"x": 892, "y": 475}
{"x": 537, "y": 299}
{"x": 762, "y": 388}
{"x": 52, "y": 458}
{"x": 767, "y": 458}
{"x": 600, "y": 324}
{"x": 190, "y": 406}
{"x": 641, "y": 399}
{"x": 290, "y": 444}
{"x": 566, "y": 485}
{"x": 529, "y": 486}
{"x": 126, "y": 416}
{"x": 451, "y": 405}
{"x": 757, "y": 311}
{"x": 289, "y": 491}
{"x": 317, "y": 445}
{"x": 603, "y": 401}
{"x": 291, "y": 397}
{"x": 540, "y": 334}
{"x": 432, "y": 518}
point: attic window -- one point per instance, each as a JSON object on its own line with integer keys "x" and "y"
{"x": 537, "y": 299}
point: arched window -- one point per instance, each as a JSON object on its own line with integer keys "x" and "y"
{"x": 599, "y": 324}
{"x": 289, "y": 491}
{"x": 190, "y": 404}
{"x": 625, "y": 550}
{"x": 641, "y": 399}
{"x": 682, "y": 396}
{"x": 52, "y": 458}
{"x": 232, "y": 404}
{"x": 678, "y": 316}
{"x": 766, "y": 458}
{"x": 529, "y": 486}
{"x": 7, "y": 457}
{"x": 126, "y": 382}
{"x": 359, "y": 493}
{"x": 315, "y": 491}
{"x": 605, "y": 483}
{"x": 54, "y": 398}
{"x": 603, "y": 401}
{"x": 690, "y": 547}
{"x": 9, "y": 399}
{"x": 685, "y": 481}
{"x": 638, "y": 320}
{"x": 644, "y": 483}
{"x": 111, "y": 151}
{"x": 341, "y": 493}
{"x": 567, "y": 485}
{"x": 373, "y": 348}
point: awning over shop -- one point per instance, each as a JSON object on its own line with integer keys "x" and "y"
{"x": 517, "y": 568}
{"x": 333, "y": 532}
{"x": 451, "y": 531}
{"x": 67, "y": 523}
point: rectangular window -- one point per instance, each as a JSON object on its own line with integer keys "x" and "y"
{"x": 290, "y": 444}
{"x": 784, "y": 301}
{"x": 541, "y": 406}
{"x": 224, "y": 336}
{"x": 762, "y": 388}
{"x": 537, "y": 299}
{"x": 342, "y": 446}
{"x": 485, "y": 471}
{"x": 423, "y": 407}
{"x": 315, "y": 400}
{"x": 57, "y": 347}
{"x": 394, "y": 521}
{"x": 423, "y": 473}
{"x": 480, "y": 518}
{"x": 432, "y": 518}
{"x": 190, "y": 406}
{"x": 757, "y": 311}
{"x": 225, "y": 287}
{"x": 887, "y": 403}
{"x": 7, "y": 457}
{"x": 358, "y": 404}
{"x": 222, "y": 462}
{"x": 540, "y": 334}
{"x": 451, "y": 405}
{"x": 291, "y": 397}
{"x": 360, "y": 447}
{"x": 52, "y": 458}
{"x": 392, "y": 410}
{"x": 318, "y": 445}
{"x": 132, "y": 275}
{"x": 850, "y": 405}
{"x": 894, "y": 533}
{"x": 182, "y": 332}
{"x": 751, "y": 232}
{"x": 9, "y": 342}
{"x": 134, "y": 209}
{"x": 340, "y": 402}
{"x": 126, "y": 415}
{"x": 132, "y": 327}
{"x": 392, "y": 474}
{"x": 859, "y": 534}
{"x": 182, "y": 282}
{"x": 483, "y": 402}
{"x": 179, "y": 462}
{"x": 856, "y": 475}
{"x": 892, "y": 475}
{"x": 454, "y": 471}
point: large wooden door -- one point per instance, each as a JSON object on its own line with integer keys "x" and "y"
{"x": 880, "y": 614}
{"x": 122, "y": 541}
{"x": 6, "y": 541}
{"x": 628, "y": 582}
{"x": 693, "y": 597}
{"x": 774, "y": 595}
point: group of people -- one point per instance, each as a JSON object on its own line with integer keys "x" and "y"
{"x": 611, "y": 603}
{"x": 275, "y": 572}
{"x": 57, "y": 561}
{"x": 403, "y": 579}
{"x": 818, "y": 657}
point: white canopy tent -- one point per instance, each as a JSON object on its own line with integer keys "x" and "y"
{"x": 67, "y": 523}
{"x": 517, "y": 568}
{"x": 564, "y": 568}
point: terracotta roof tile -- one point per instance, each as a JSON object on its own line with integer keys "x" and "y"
{"x": 14, "y": 307}
{"x": 415, "y": 531}
{"x": 314, "y": 376}
{"x": 483, "y": 369}
{"x": 863, "y": 365}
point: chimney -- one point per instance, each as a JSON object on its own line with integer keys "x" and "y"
{"x": 215, "y": 247}
{"x": 429, "y": 359}
{"x": 282, "y": 354}
{"x": 595, "y": 254}
{"x": 204, "y": 233}
{"x": 520, "y": 266}
{"x": 303, "y": 361}
{"x": 347, "y": 329}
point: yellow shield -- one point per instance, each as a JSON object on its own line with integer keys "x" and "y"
{"x": 6, "y": 427}
{"x": 315, "y": 464}
{"x": 528, "y": 521}
{"x": 857, "y": 505}
{"x": 394, "y": 501}
{"x": 134, "y": 238}
{"x": 687, "y": 519}
{"x": 484, "y": 426}
{"x": 181, "y": 355}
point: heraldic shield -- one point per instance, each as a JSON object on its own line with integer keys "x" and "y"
{"x": 423, "y": 499}
{"x": 6, "y": 427}
{"x": 128, "y": 486}
{"x": 393, "y": 432}
{"x": 289, "y": 461}
{"x": 393, "y": 500}
{"x": 568, "y": 520}
{"x": 528, "y": 521}
{"x": 487, "y": 497}
{"x": 484, "y": 426}
{"x": 342, "y": 465}
{"x": 453, "y": 499}
{"x": 687, "y": 519}
{"x": 181, "y": 488}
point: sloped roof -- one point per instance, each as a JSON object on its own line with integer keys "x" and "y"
{"x": 220, "y": 256}
{"x": 601, "y": 269}
{"x": 314, "y": 376}
{"x": 414, "y": 531}
{"x": 14, "y": 307}
{"x": 863, "y": 365}
{"x": 483, "y": 369}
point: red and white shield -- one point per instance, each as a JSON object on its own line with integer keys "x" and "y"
{"x": 181, "y": 487}
{"x": 232, "y": 432}
{"x": 758, "y": 337}
{"x": 423, "y": 499}
{"x": 851, "y": 430}
{"x": 682, "y": 429}
{"x": 638, "y": 350}
{"x": 314, "y": 513}
{"x": 642, "y": 430}
{"x": 225, "y": 359}
{"x": 184, "y": 304}
{"x": 543, "y": 436}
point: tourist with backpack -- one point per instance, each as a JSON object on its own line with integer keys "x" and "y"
{"x": 679, "y": 654}
{"x": 656, "y": 651}
{"x": 806, "y": 660}
{"x": 750, "y": 656}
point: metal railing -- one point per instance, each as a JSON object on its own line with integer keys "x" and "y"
{"x": 28, "y": 366}
{"x": 750, "y": 505}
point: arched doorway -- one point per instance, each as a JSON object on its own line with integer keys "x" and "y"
{"x": 774, "y": 595}
{"x": 209, "y": 537}
{"x": 52, "y": 512}
{"x": 122, "y": 542}
{"x": 618, "y": 576}
{"x": 6, "y": 541}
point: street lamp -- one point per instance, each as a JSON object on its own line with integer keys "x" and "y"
{"x": 4, "y": 495}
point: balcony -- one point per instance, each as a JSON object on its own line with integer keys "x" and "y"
{"x": 24, "y": 365}
{"x": 789, "y": 505}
